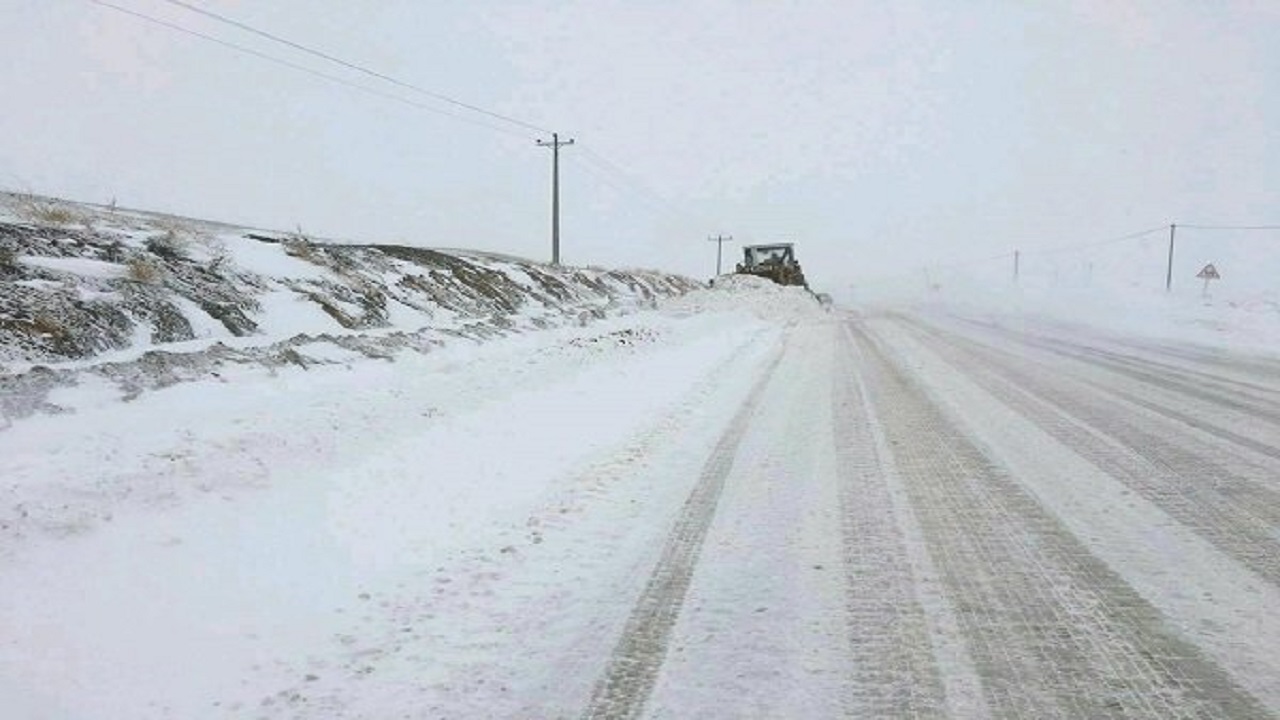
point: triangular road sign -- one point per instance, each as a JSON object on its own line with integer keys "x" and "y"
{"x": 1209, "y": 272}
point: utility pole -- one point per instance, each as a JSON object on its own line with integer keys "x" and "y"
{"x": 555, "y": 144}
{"x": 1017, "y": 256}
{"x": 1168, "y": 273}
{"x": 719, "y": 240}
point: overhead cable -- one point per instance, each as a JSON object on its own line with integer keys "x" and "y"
{"x": 629, "y": 183}
{"x": 353, "y": 66}
{"x": 1095, "y": 243}
{"x": 1228, "y": 227}
{"x": 302, "y": 68}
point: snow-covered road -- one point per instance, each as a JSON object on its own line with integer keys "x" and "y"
{"x": 1079, "y": 587}
{"x": 666, "y": 516}
{"x": 943, "y": 520}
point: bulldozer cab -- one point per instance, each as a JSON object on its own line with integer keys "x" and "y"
{"x": 757, "y": 255}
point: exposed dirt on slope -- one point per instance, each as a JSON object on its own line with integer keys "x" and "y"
{"x": 86, "y": 290}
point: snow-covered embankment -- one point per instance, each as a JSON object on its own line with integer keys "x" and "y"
{"x": 343, "y": 535}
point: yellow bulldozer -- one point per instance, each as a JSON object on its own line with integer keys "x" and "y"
{"x": 776, "y": 262}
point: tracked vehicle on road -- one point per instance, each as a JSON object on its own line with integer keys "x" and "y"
{"x": 777, "y": 262}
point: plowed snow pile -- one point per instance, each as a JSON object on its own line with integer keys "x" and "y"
{"x": 749, "y": 294}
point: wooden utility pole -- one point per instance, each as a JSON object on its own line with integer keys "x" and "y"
{"x": 720, "y": 240}
{"x": 1017, "y": 256}
{"x": 555, "y": 144}
{"x": 1168, "y": 273}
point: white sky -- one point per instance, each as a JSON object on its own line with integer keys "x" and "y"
{"x": 874, "y": 135}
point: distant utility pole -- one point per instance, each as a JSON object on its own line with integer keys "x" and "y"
{"x": 1168, "y": 273}
{"x": 720, "y": 240}
{"x": 1016, "y": 257}
{"x": 555, "y": 144}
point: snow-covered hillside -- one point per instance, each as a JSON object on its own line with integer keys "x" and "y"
{"x": 301, "y": 536}
{"x": 138, "y": 300}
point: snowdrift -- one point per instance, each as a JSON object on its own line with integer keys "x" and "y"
{"x": 749, "y": 294}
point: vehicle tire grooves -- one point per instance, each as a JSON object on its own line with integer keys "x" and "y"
{"x": 1233, "y": 513}
{"x": 1208, "y": 393}
{"x": 1208, "y": 365}
{"x": 1052, "y": 630}
{"x": 632, "y": 669}
{"x": 1211, "y": 391}
{"x": 1252, "y": 366}
{"x": 895, "y": 673}
{"x": 1268, "y": 449}
{"x": 1190, "y": 376}
{"x": 1222, "y": 433}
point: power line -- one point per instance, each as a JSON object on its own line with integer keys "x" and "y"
{"x": 598, "y": 172}
{"x": 353, "y": 66}
{"x": 1229, "y": 227}
{"x": 1097, "y": 243}
{"x": 626, "y": 182}
{"x": 599, "y": 175}
{"x": 957, "y": 264}
{"x": 1016, "y": 254}
{"x": 635, "y": 186}
{"x": 302, "y": 68}
{"x": 609, "y": 166}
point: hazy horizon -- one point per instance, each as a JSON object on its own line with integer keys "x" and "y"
{"x": 875, "y": 138}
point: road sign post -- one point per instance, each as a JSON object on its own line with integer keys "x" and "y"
{"x": 1207, "y": 273}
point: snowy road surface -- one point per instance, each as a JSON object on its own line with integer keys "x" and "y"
{"x": 829, "y": 515}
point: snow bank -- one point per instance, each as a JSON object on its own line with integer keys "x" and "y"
{"x": 756, "y": 296}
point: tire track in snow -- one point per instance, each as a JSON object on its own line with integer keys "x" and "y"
{"x": 1206, "y": 394}
{"x": 763, "y": 630}
{"x": 1252, "y": 366}
{"x": 1240, "y": 369}
{"x": 1223, "y": 420}
{"x": 1053, "y": 632}
{"x": 1259, "y": 447}
{"x": 624, "y": 687}
{"x": 1235, "y": 513}
{"x": 896, "y": 644}
{"x": 1246, "y": 390}
{"x": 1244, "y": 398}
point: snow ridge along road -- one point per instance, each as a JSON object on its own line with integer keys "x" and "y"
{"x": 763, "y": 630}
{"x": 633, "y": 667}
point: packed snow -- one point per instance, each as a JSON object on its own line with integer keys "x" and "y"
{"x": 309, "y": 533}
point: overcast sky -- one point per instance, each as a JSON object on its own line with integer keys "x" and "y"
{"x": 875, "y": 135}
